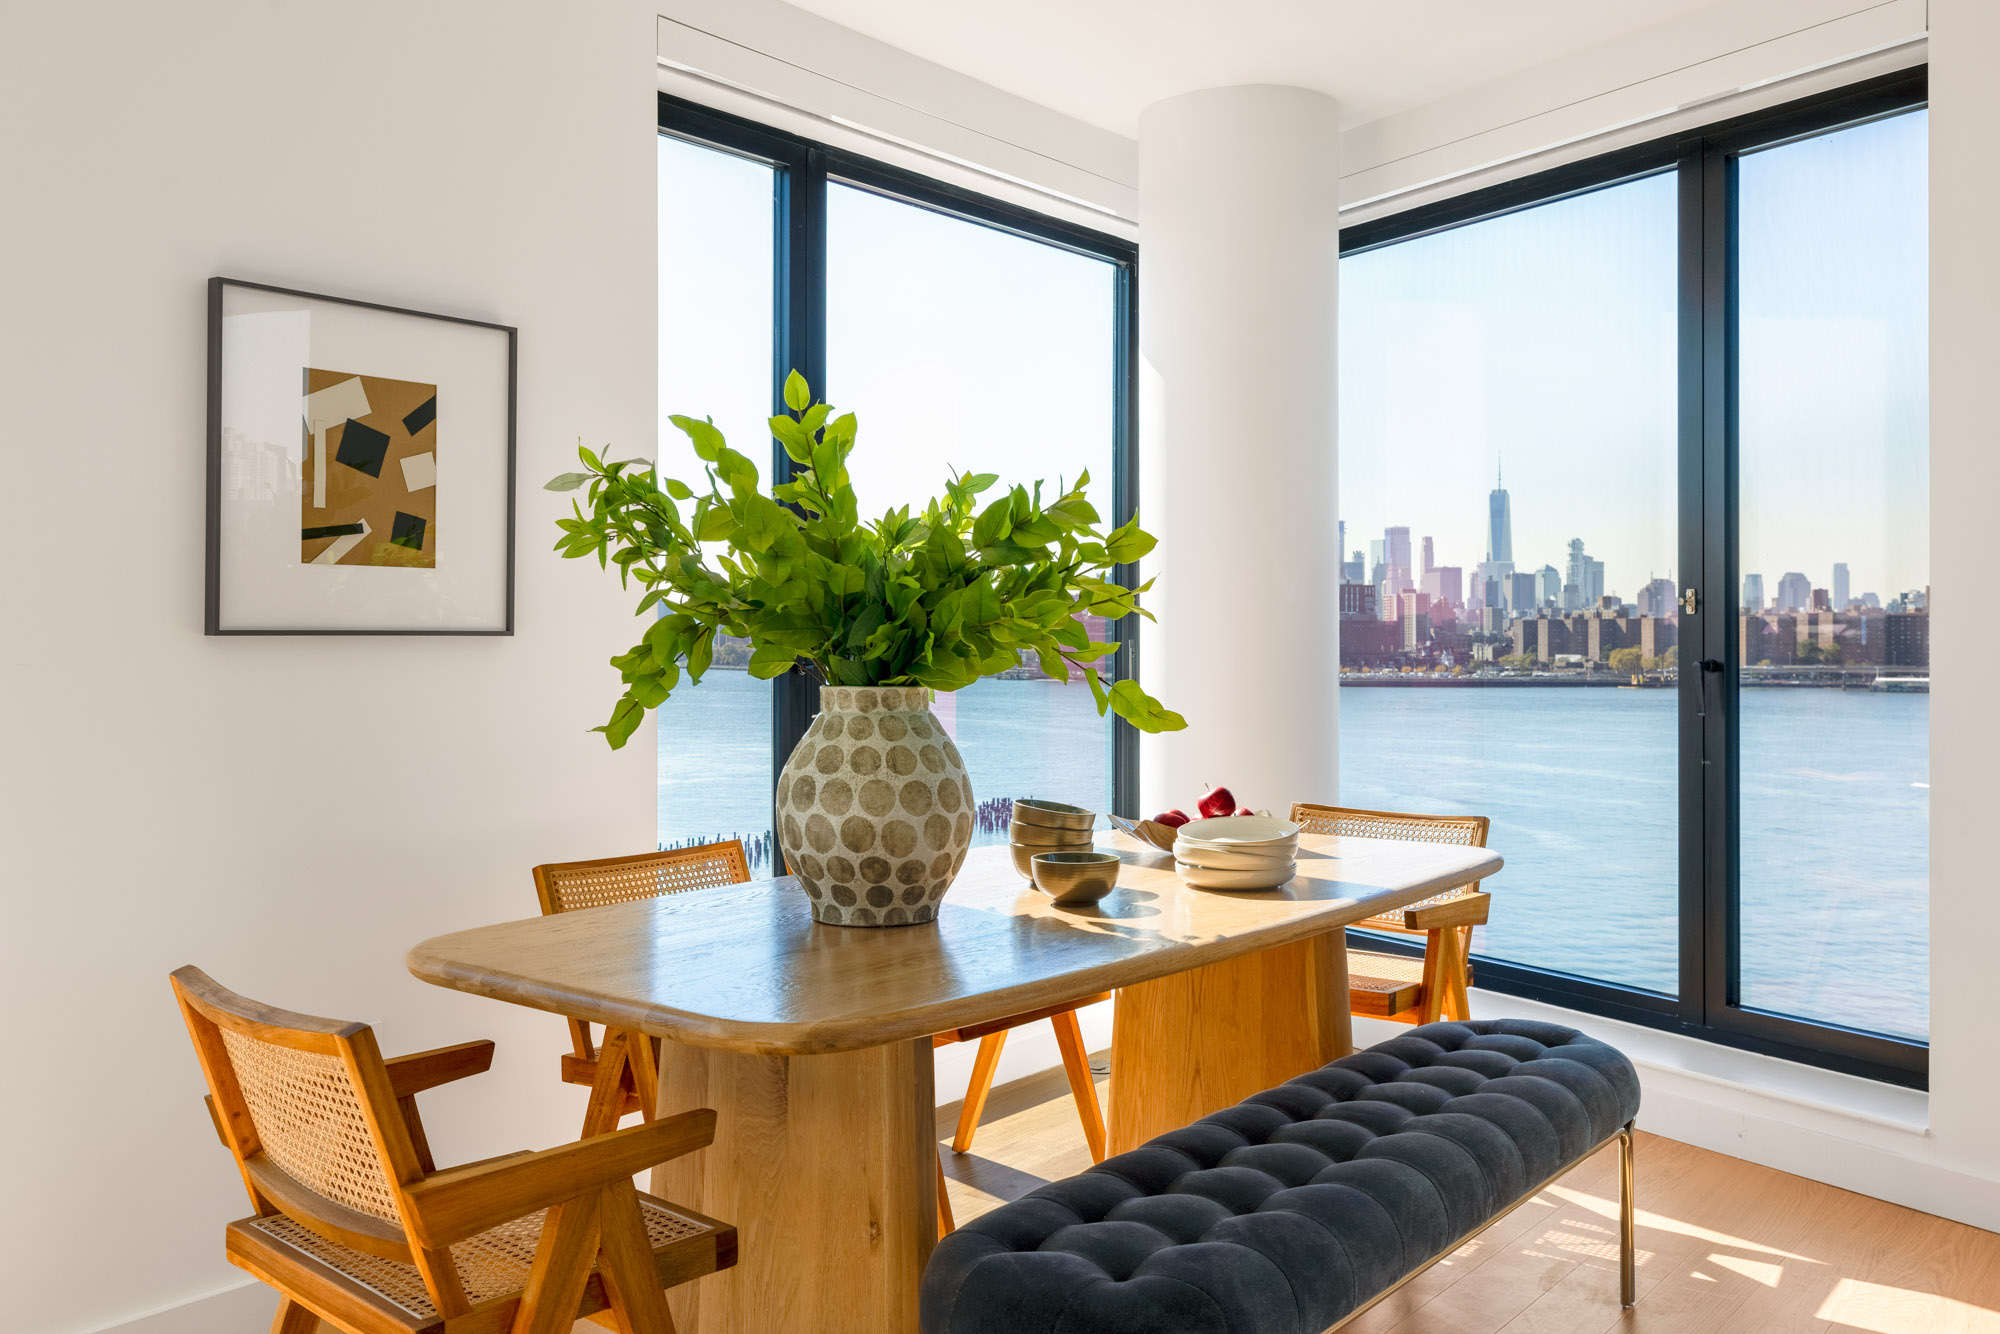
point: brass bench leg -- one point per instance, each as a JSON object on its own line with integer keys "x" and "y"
{"x": 1627, "y": 1279}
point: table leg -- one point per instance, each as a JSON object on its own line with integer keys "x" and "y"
{"x": 827, "y": 1167}
{"x": 1196, "y": 1042}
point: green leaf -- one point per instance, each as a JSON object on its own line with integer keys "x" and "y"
{"x": 769, "y": 660}
{"x": 679, "y": 490}
{"x": 568, "y": 481}
{"x": 708, "y": 442}
{"x": 1141, "y": 710}
{"x": 626, "y": 716}
{"x": 796, "y": 439}
{"x": 1128, "y": 542}
{"x": 797, "y": 394}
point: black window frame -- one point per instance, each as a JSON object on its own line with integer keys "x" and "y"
{"x": 803, "y": 167}
{"x": 1709, "y": 1003}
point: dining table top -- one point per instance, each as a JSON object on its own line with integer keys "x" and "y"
{"x": 745, "y": 967}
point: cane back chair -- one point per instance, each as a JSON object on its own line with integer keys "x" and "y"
{"x": 354, "y": 1224}
{"x": 1392, "y": 986}
{"x": 566, "y": 886}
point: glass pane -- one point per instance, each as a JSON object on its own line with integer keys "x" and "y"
{"x": 961, "y": 347}
{"x": 716, "y": 248}
{"x": 1834, "y": 525}
{"x": 1508, "y": 484}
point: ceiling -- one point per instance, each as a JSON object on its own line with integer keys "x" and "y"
{"x": 1104, "y": 61}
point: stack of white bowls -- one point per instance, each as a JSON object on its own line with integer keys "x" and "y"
{"x": 1237, "y": 852}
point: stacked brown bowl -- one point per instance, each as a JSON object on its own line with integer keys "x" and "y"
{"x": 1047, "y": 826}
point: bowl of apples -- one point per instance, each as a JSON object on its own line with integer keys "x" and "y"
{"x": 1161, "y": 831}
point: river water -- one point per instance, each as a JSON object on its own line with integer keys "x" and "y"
{"x": 1582, "y": 789}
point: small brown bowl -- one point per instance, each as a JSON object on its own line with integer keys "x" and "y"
{"x": 1053, "y": 814}
{"x": 1041, "y": 836}
{"x": 1073, "y": 879}
{"x": 1024, "y": 855}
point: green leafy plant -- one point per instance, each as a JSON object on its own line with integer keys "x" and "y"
{"x": 936, "y": 599}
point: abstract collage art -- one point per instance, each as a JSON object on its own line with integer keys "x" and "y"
{"x": 370, "y": 487}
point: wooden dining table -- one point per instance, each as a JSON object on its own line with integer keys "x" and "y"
{"x": 812, "y": 1043}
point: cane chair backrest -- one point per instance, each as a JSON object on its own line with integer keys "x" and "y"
{"x": 306, "y": 1107}
{"x": 1465, "y": 831}
{"x": 567, "y": 886}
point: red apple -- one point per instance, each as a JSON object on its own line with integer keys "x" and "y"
{"x": 1244, "y": 810}
{"x": 1216, "y": 801}
{"x": 1173, "y": 819}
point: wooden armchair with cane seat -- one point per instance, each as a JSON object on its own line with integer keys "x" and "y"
{"x": 567, "y": 886}
{"x": 1392, "y": 986}
{"x": 354, "y": 1225}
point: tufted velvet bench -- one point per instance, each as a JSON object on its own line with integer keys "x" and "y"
{"x": 1302, "y": 1205}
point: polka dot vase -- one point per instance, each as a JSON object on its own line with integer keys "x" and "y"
{"x": 874, "y": 810}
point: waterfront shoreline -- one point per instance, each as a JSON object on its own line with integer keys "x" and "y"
{"x": 1416, "y": 680}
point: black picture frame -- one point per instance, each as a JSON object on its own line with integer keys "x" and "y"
{"x": 213, "y": 576}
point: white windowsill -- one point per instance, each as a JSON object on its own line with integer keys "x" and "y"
{"x": 1731, "y": 1073}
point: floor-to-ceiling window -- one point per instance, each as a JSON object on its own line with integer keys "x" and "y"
{"x": 1633, "y": 490}
{"x": 966, "y": 335}
{"x": 1507, "y": 420}
{"x": 1834, "y": 523}
{"x": 716, "y": 315}
{"x": 968, "y": 348}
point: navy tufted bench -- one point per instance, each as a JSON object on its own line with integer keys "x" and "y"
{"x": 1300, "y": 1206}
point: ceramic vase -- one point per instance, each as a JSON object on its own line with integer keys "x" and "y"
{"x": 874, "y": 808}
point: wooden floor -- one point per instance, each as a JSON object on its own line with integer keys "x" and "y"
{"x": 1723, "y": 1245}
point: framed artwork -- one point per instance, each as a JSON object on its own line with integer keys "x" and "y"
{"x": 360, "y": 467}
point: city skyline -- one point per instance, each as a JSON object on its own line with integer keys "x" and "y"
{"x": 1546, "y": 339}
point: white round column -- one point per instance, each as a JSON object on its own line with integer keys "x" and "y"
{"x": 1239, "y": 238}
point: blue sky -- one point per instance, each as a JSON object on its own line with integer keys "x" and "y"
{"x": 1546, "y": 339}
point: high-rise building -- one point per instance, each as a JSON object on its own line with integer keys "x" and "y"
{"x": 1909, "y": 639}
{"x": 1499, "y": 524}
{"x": 1378, "y": 561}
{"x": 1521, "y": 594}
{"x": 1656, "y": 598}
{"x": 1499, "y": 563}
{"x": 1840, "y": 586}
{"x": 1355, "y": 569}
{"x": 1445, "y": 583}
{"x": 1548, "y": 587}
{"x": 1430, "y": 557}
{"x": 1753, "y": 593}
{"x": 1794, "y": 592}
{"x": 1583, "y": 582}
{"x": 1396, "y": 543}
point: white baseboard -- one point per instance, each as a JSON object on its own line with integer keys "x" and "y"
{"x": 1857, "y": 1134}
{"x": 246, "y": 1308}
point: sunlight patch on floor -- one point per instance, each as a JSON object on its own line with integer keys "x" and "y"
{"x": 1607, "y": 1207}
{"x": 1756, "y": 1270}
{"x": 1880, "y": 1309}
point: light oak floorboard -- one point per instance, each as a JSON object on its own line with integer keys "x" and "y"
{"x": 1725, "y": 1246}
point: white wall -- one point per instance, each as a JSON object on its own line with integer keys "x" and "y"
{"x": 1965, "y": 479}
{"x": 292, "y": 814}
